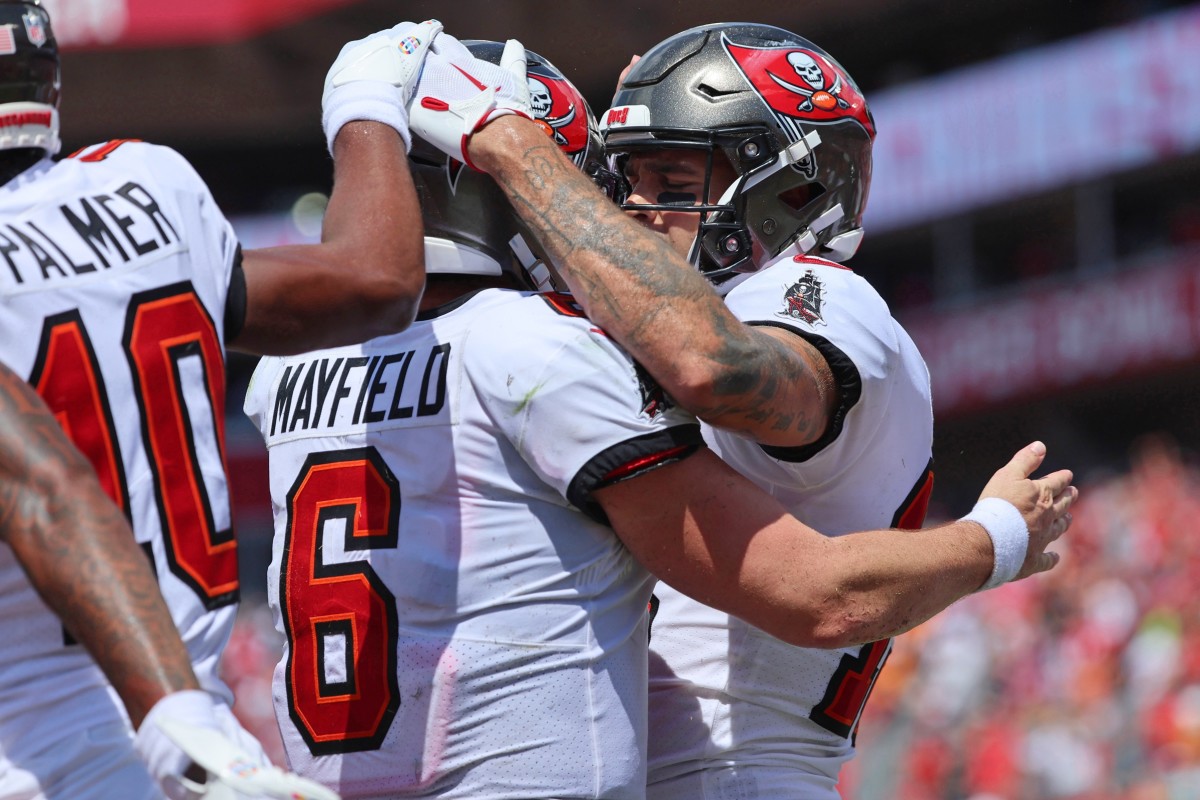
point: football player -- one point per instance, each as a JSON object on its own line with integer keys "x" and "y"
{"x": 746, "y": 151}
{"x": 78, "y": 553}
{"x": 469, "y": 513}
{"x": 121, "y": 284}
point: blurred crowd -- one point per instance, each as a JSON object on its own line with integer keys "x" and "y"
{"x": 1081, "y": 684}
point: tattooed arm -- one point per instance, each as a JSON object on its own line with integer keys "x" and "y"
{"x": 80, "y": 555}
{"x": 765, "y": 383}
{"x": 723, "y": 541}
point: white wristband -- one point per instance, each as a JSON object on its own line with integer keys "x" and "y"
{"x": 1010, "y": 537}
{"x": 374, "y": 101}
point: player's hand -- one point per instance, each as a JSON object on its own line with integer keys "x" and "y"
{"x": 621, "y": 80}
{"x": 458, "y": 94}
{"x": 374, "y": 79}
{"x": 1044, "y": 503}
{"x": 192, "y": 752}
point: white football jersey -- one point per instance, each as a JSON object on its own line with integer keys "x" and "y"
{"x": 734, "y": 712}
{"x": 114, "y": 269}
{"x": 459, "y": 621}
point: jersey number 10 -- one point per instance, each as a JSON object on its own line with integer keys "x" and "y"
{"x": 162, "y": 327}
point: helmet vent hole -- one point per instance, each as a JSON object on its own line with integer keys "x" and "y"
{"x": 798, "y": 197}
{"x": 713, "y": 93}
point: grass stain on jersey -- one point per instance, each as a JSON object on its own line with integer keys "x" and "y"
{"x": 527, "y": 399}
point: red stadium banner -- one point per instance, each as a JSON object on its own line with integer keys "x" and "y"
{"x": 83, "y": 24}
{"x": 1135, "y": 322}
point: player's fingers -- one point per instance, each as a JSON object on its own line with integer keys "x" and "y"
{"x": 1064, "y": 500}
{"x": 1058, "y": 527}
{"x": 1056, "y": 519}
{"x": 449, "y": 48}
{"x": 420, "y": 34}
{"x": 1057, "y": 483}
{"x": 513, "y": 60}
{"x": 1045, "y": 562}
{"x": 423, "y": 35}
{"x": 625, "y": 71}
{"x": 1025, "y": 461}
{"x": 1041, "y": 562}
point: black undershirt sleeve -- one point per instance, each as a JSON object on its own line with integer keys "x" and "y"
{"x": 629, "y": 459}
{"x": 235, "y": 301}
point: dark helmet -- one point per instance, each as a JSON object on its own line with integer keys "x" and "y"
{"x": 29, "y": 78}
{"x": 786, "y": 116}
{"x": 467, "y": 216}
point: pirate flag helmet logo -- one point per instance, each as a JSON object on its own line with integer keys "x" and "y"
{"x": 801, "y": 83}
{"x": 559, "y": 109}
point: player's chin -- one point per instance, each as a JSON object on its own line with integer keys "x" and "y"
{"x": 680, "y": 239}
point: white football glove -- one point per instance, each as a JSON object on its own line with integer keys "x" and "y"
{"x": 374, "y": 79}
{"x": 192, "y": 756}
{"x": 457, "y": 94}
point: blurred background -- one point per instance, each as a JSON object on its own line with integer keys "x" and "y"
{"x": 1035, "y": 223}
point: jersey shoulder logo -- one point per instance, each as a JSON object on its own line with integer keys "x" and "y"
{"x": 654, "y": 399}
{"x": 803, "y": 300}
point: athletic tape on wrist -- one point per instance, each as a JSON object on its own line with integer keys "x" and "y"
{"x": 1010, "y": 537}
{"x": 374, "y": 101}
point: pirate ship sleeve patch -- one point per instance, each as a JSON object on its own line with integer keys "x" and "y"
{"x": 841, "y": 315}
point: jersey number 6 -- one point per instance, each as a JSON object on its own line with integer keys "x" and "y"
{"x": 339, "y": 618}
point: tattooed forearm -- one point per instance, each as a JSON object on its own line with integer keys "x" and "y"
{"x": 79, "y": 553}
{"x": 633, "y": 284}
